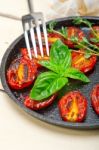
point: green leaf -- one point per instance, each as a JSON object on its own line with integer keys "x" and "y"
{"x": 95, "y": 40}
{"x": 60, "y": 58}
{"x": 87, "y": 54}
{"x": 64, "y": 32}
{"x": 47, "y": 64}
{"x": 79, "y": 20}
{"x": 85, "y": 41}
{"x": 76, "y": 74}
{"x": 78, "y": 46}
{"x": 51, "y": 26}
{"x": 60, "y": 55}
{"x": 74, "y": 39}
{"x": 47, "y": 84}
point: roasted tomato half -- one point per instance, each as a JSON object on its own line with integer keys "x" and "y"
{"x": 36, "y": 105}
{"x": 73, "y": 32}
{"x": 53, "y": 37}
{"x": 24, "y": 54}
{"x": 81, "y": 63}
{"x": 73, "y": 107}
{"x": 21, "y": 73}
{"x": 92, "y": 36}
{"x": 95, "y": 98}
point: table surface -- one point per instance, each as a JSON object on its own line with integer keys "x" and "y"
{"x": 20, "y": 131}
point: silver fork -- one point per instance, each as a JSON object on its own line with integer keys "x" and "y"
{"x": 34, "y": 20}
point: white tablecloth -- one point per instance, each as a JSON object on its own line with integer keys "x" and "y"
{"x": 18, "y": 130}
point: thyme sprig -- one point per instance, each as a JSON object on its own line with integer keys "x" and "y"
{"x": 85, "y": 44}
{"x": 79, "y": 20}
{"x": 62, "y": 31}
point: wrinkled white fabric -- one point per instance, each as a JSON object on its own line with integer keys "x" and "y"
{"x": 63, "y": 8}
{"x": 51, "y": 8}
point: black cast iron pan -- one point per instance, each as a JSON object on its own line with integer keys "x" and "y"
{"x": 51, "y": 114}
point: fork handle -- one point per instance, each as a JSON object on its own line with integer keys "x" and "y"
{"x": 30, "y": 4}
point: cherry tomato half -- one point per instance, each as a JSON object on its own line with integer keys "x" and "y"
{"x": 91, "y": 35}
{"x": 73, "y": 107}
{"x": 24, "y": 54}
{"x": 73, "y": 32}
{"x": 81, "y": 63}
{"x": 95, "y": 98}
{"x": 36, "y": 105}
{"x": 53, "y": 37}
{"x": 21, "y": 73}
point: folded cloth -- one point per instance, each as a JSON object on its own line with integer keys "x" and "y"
{"x": 88, "y": 7}
{"x": 51, "y": 8}
{"x": 63, "y": 8}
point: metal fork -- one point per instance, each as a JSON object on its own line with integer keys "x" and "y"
{"x": 31, "y": 22}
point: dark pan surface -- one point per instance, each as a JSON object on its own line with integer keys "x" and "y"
{"x": 51, "y": 114}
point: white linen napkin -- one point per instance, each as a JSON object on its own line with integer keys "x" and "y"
{"x": 62, "y": 8}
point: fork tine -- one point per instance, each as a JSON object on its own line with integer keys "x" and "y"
{"x": 27, "y": 43}
{"x": 34, "y": 20}
{"x": 39, "y": 39}
{"x": 45, "y": 36}
{"x": 24, "y": 22}
{"x": 33, "y": 39}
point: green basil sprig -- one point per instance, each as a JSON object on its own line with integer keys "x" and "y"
{"x": 60, "y": 58}
{"x": 48, "y": 83}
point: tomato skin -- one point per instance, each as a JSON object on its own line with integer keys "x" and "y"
{"x": 95, "y": 98}
{"x": 81, "y": 63}
{"x": 36, "y": 105}
{"x": 21, "y": 73}
{"x": 53, "y": 37}
{"x": 24, "y": 54}
{"x": 73, "y": 107}
{"x": 91, "y": 35}
{"x": 73, "y": 31}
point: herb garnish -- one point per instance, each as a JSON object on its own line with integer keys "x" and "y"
{"x": 62, "y": 31}
{"x": 90, "y": 49}
{"x": 48, "y": 83}
{"x": 79, "y": 20}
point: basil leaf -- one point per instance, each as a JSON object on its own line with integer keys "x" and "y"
{"x": 76, "y": 74}
{"x": 60, "y": 55}
{"x": 60, "y": 58}
{"x": 47, "y": 64}
{"x": 47, "y": 84}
